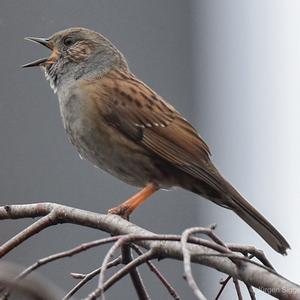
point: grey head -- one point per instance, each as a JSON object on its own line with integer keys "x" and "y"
{"x": 77, "y": 53}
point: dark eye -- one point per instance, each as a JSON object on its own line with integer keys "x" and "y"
{"x": 68, "y": 41}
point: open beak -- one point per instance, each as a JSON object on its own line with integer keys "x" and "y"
{"x": 42, "y": 61}
{"x": 42, "y": 41}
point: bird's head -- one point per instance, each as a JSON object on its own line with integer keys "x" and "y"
{"x": 76, "y": 52}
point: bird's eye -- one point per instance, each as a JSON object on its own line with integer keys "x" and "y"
{"x": 68, "y": 41}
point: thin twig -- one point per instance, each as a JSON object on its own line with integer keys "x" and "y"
{"x": 150, "y": 254}
{"x": 79, "y": 275}
{"x": 223, "y": 285}
{"x": 253, "y": 251}
{"x": 31, "y": 230}
{"x": 251, "y": 292}
{"x": 71, "y": 252}
{"x": 134, "y": 274}
{"x": 118, "y": 243}
{"x": 209, "y": 232}
{"x": 155, "y": 270}
{"x": 89, "y": 277}
{"x": 187, "y": 263}
{"x": 131, "y": 238}
{"x": 237, "y": 288}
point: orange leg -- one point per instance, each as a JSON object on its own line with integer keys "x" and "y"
{"x": 127, "y": 207}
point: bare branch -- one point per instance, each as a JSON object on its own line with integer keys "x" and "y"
{"x": 237, "y": 288}
{"x": 71, "y": 252}
{"x": 87, "y": 277}
{"x": 253, "y": 251}
{"x": 150, "y": 254}
{"x": 251, "y": 292}
{"x": 223, "y": 285}
{"x": 251, "y": 273}
{"x": 163, "y": 280}
{"x": 31, "y": 230}
{"x": 119, "y": 243}
{"x": 187, "y": 262}
{"x": 134, "y": 274}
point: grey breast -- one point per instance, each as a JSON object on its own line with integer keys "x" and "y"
{"x": 80, "y": 128}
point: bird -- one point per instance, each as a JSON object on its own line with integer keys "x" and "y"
{"x": 121, "y": 125}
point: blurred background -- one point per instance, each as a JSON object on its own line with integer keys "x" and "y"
{"x": 231, "y": 67}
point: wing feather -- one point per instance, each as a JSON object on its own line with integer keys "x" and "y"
{"x": 143, "y": 116}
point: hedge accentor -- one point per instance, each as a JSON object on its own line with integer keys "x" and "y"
{"x": 122, "y": 126}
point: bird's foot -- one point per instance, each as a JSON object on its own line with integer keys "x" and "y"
{"x": 121, "y": 210}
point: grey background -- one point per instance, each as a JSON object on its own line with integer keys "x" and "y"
{"x": 231, "y": 67}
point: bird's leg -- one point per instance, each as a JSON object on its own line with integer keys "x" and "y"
{"x": 127, "y": 207}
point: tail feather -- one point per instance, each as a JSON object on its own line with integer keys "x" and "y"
{"x": 259, "y": 223}
{"x": 227, "y": 196}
